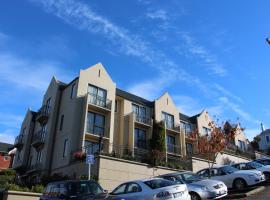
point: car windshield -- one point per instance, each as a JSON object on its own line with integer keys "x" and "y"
{"x": 264, "y": 161}
{"x": 190, "y": 177}
{"x": 84, "y": 188}
{"x": 228, "y": 169}
{"x": 158, "y": 183}
{"x": 255, "y": 165}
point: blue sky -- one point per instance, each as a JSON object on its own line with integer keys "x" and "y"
{"x": 207, "y": 54}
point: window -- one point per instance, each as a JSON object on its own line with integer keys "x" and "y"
{"x": 267, "y": 139}
{"x": 48, "y": 106}
{"x": 242, "y": 145}
{"x": 72, "y": 93}
{"x": 170, "y": 143}
{"x": 61, "y": 122}
{"x": 139, "y": 110}
{"x": 116, "y": 106}
{"x": 186, "y": 127}
{"x": 63, "y": 189}
{"x": 133, "y": 187}
{"x": 189, "y": 148}
{"x": 158, "y": 183}
{"x": 169, "y": 120}
{"x": 95, "y": 123}
{"x": 23, "y": 132}
{"x": 65, "y": 148}
{"x": 43, "y": 131}
{"x": 120, "y": 189}
{"x": 206, "y": 131}
{"x": 91, "y": 147}
{"x": 97, "y": 96}
{"x": 6, "y": 158}
{"x": 39, "y": 156}
{"x": 140, "y": 138}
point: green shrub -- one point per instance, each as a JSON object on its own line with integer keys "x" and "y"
{"x": 8, "y": 172}
{"x": 37, "y": 188}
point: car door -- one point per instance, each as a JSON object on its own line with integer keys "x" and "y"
{"x": 219, "y": 174}
{"x": 134, "y": 190}
{"x": 204, "y": 173}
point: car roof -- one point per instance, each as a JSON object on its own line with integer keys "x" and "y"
{"x": 72, "y": 181}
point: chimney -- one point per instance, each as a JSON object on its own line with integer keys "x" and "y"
{"x": 262, "y": 127}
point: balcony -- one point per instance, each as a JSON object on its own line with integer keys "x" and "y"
{"x": 173, "y": 127}
{"x": 43, "y": 114}
{"x": 173, "y": 149}
{"x": 19, "y": 141}
{"x": 39, "y": 139}
{"x": 34, "y": 168}
{"x": 142, "y": 119}
{"x": 99, "y": 102}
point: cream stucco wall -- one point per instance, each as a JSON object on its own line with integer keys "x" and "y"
{"x": 98, "y": 76}
{"x": 203, "y": 120}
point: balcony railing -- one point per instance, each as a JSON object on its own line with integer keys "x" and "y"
{"x": 173, "y": 126}
{"x": 39, "y": 138}
{"x": 142, "y": 119}
{"x": 99, "y": 101}
{"x": 174, "y": 149}
{"x": 35, "y": 167}
{"x": 43, "y": 114}
{"x": 19, "y": 141}
{"x": 99, "y": 131}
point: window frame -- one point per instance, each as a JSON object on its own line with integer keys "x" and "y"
{"x": 91, "y": 129}
{"x": 140, "y": 142}
{"x": 61, "y": 122}
{"x": 65, "y": 149}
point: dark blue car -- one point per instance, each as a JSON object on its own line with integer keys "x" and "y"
{"x": 75, "y": 190}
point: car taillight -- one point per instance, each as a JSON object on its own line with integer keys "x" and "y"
{"x": 163, "y": 194}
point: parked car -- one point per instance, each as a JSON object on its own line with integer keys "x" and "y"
{"x": 232, "y": 177}
{"x": 75, "y": 190}
{"x": 265, "y": 169}
{"x": 263, "y": 161}
{"x": 150, "y": 189}
{"x": 198, "y": 187}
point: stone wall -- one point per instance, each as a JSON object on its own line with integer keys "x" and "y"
{"x": 113, "y": 171}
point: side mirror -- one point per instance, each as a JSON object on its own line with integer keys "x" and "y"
{"x": 106, "y": 191}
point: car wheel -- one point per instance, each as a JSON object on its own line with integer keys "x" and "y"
{"x": 239, "y": 184}
{"x": 267, "y": 176}
{"x": 194, "y": 196}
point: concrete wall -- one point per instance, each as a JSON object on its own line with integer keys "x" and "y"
{"x": 240, "y": 135}
{"x": 116, "y": 171}
{"x": 222, "y": 159}
{"x": 203, "y": 120}
{"x": 16, "y": 195}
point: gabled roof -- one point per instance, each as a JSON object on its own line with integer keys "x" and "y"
{"x": 184, "y": 117}
{"x": 5, "y": 147}
{"x": 134, "y": 98}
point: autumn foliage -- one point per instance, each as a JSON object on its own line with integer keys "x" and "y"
{"x": 210, "y": 145}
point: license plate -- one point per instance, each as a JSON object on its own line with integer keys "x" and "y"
{"x": 178, "y": 194}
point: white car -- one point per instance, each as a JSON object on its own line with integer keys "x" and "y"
{"x": 265, "y": 169}
{"x": 199, "y": 188}
{"x": 150, "y": 189}
{"x": 232, "y": 177}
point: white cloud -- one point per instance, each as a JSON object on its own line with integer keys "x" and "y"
{"x": 252, "y": 132}
{"x": 187, "y": 105}
{"x": 29, "y": 74}
{"x": 158, "y": 14}
{"x": 208, "y": 59}
{"x": 7, "y": 136}
{"x": 236, "y": 108}
{"x": 227, "y": 93}
{"x": 10, "y": 120}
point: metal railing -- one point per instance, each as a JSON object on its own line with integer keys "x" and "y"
{"x": 19, "y": 141}
{"x": 100, "y": 131}
{"x": 43, "y": 113}
{"x": 39, "y": 138}
{"x": 99, "y": 101}
{"x": 142, "y": 119}
{"x": 172, "y": 126}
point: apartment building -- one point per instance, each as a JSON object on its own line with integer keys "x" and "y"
{"x": 90, "y": 114}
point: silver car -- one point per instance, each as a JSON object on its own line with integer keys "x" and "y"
{"x": 150, "y": 189}
{"x": 198, "y": 188}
